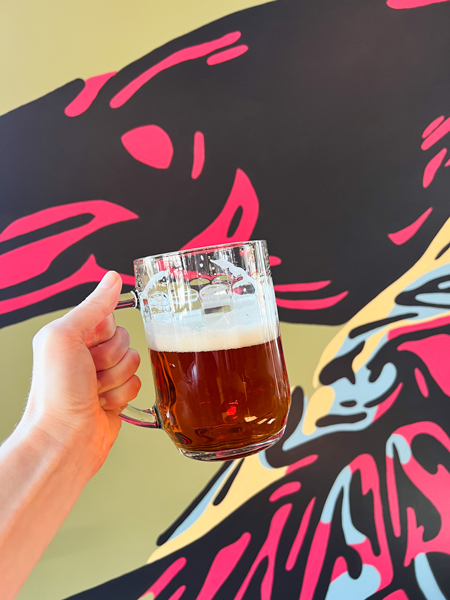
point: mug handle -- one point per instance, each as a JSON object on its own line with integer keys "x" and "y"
{"x": 137, "y": 416}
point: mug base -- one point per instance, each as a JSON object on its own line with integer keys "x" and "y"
{"x": 232, "y": 453}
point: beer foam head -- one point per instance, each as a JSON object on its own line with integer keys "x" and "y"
{"x": 168, "y": 337}
{"x": 217, "y": 321}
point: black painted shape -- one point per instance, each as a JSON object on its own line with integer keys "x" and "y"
{"x": 32, "y": 236}
{"x": 340, "y": 367}
{"x": 337, "y": 547}
{"x": 349, "y": 403}
{"x": 362, "y": 510}
{"x": 234, "y": 223}
{"x": 225, "y": 489}
{"x": 338, "y": 419}
{"x": 441, "y": 252}
{"x": 275, "y": 455}
{"x": 376, "y": 324}
{"x": 428, "y": 453}
{"x": 410, "y": 496}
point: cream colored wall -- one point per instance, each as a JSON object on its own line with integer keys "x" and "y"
{"x": 145, "y": 483}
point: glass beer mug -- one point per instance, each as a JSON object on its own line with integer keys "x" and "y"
{"x": 212, "y": 330}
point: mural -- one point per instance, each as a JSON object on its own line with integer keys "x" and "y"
{"x": 323, "y": 128}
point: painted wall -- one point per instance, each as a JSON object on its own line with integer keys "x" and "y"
{"x": 323, "y": 128}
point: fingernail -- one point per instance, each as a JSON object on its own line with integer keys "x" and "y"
{"x": 108, "y": 280}
{"x": 102, "y": 401}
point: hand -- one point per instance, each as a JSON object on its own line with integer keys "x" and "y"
{"x": 83, "y": 376}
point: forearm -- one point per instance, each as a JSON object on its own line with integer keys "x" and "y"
{"x": 40, "y": 482}
{"x": 66, "y": 432}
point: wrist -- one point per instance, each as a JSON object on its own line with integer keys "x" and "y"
{"x": 61, "y": 448}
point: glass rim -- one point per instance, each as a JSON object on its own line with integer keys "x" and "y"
{"x": 205, "y": 249}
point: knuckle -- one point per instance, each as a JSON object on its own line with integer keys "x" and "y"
{"x": 124, "y": 335}
{"x": 134, "y": 387}
{"x": 137, "y": 382}
{"x": 46, "y": 335}
{"x": 107, "y": 357}
{"x": 102, "y": 377}
{"x": 135, "y": 357}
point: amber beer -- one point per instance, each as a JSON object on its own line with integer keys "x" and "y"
{"x": 218, "y": 400}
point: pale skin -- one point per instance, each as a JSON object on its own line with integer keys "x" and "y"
{"x": 83, "y": 376}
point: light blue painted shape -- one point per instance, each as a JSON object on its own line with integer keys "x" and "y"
{"x": 362, "y": 390}
{"x": 402, "y": 447}
{"x": 350, "y": 343}
{"x": 296, "y": 438}
{"x": 346, "y": 588}
{"x": 426, "y": 580}
{"x": 352, "y": 535}
{"x": 342, "y": 483}
{"x": 436, "y": 298}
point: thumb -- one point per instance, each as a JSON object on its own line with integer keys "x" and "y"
{"x": 98, "y": 305}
